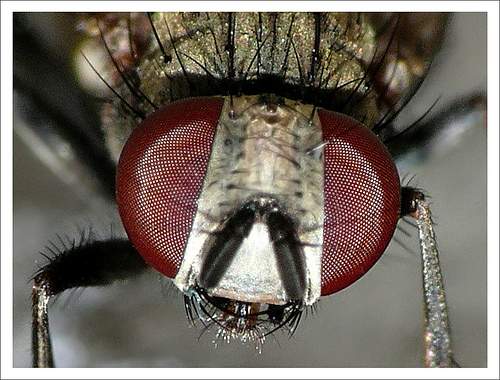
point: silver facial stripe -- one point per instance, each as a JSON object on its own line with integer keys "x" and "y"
{"x": 263, "y": 149}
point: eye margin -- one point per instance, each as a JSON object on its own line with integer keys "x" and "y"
{"x": 143, "y": 212}
{"x": 341, "y": 269}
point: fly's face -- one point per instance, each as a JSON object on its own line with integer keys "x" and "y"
{"x": 255, "y": 205}
{"x": 225, "y": 196}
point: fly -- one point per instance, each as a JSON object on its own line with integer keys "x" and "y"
{"x": 265, "y": 200}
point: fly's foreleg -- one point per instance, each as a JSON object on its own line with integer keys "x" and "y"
{"x": 437, "y": 332}
{"x": 92, "y": 264}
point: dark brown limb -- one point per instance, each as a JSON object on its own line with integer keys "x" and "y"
{"x": 92, "y": 264}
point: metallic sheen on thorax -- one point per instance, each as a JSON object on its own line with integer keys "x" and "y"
{"x": 202, "y": 46}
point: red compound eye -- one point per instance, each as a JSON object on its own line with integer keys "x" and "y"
{"x": 361, "y": 200}
{"x": 162, "y": 167}
{"x": 160, "y": 175}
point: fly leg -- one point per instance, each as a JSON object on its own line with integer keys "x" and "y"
{"x": 437, "y": 334}
{"x": 93, "y": 264}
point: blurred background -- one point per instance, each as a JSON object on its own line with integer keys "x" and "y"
{"x": 376, "y": 322}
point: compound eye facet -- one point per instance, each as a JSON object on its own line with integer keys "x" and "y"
{"x": 160, "y": 176}
{"x": 361, "y": 200}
